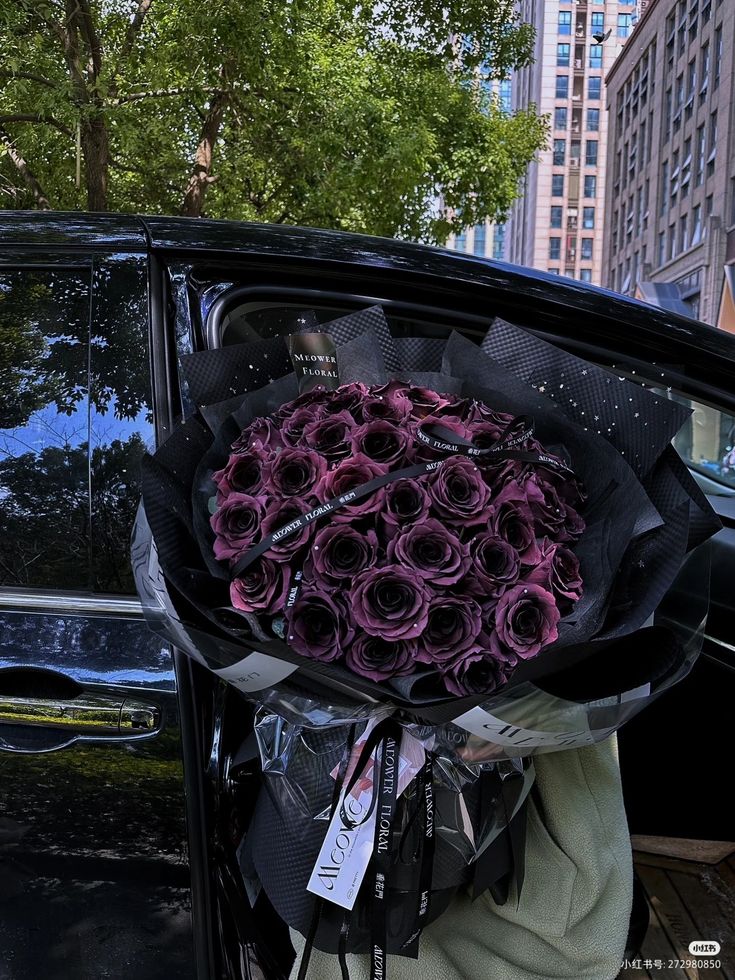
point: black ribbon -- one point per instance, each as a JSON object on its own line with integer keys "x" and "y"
{"x": 387, "y": 799}
{"x": 436, "y": 437}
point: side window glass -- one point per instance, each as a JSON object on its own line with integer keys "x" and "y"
{"x": 44, "y": 429}
{"x": 706, "y": 442}
{"x": 120, "y": 412}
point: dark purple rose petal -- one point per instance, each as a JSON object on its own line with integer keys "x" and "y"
{"x": 424, "y": 401}
{"x": 263, "y": 433}
{"x": 379, "y": 659}
{"x": 387, "y": 402}
{"x": 339, "y": 553}
{"x": 433, "y": 551}
{"x": 278, "y": 514}
{"x": 512, "y": 520}
{"x": 381, "y": 441}
{"x": 459, "y": 495}
{"x": 347, "y": 398}
{"x": 236, "y": 524}
{"x": 406, "y": 502}
{"x": 348, "y": 475}
{"x": 330, "y": 435}
{"x": 496, "y": 566}
{"x": 558, "y": 572}
{"x": 476, "y": 672}
{"x": 453, "y": 625}
{"x": 295, "y": 473}
{"x": 293, "y": 426}
{"x": 318, "y": 626}
{"x": 262, "y": 587}
{"x": 390, "y": 602}
{"x": 526, "y": 618}
{"x": 242, "y": 474}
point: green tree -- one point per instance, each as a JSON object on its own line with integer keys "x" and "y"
{"x": 330, "y": 113}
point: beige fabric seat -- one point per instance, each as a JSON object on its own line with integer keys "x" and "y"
{"x": 572, "y": 919}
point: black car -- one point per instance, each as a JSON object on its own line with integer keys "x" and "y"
{"x": 126, "y": 773}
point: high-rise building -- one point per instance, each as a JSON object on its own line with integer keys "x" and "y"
{"x": 670, "y": 201}
{"x": 557, "y": 225}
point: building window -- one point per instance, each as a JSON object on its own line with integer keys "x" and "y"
{"x": 590, "y": 185}
{"x": 672, "y": 241}
{"x": 585, "y": 275}
{"x": 683, "y": 233}
{"x": 594, "y": 87}
{"x": 555, "y": 248}
{"x": 706, "y": 12}
{"x": 556, "y": 216}
{"x": 664, "y": 186}
{"x": 590, "y": 153}
{"x": 478, "y": 246}
{"x": 557, "y": 185}
{"x": 704, "y": 72}
{"x": 699, "y": 173}
{"x": 499, "y": 242}
{"x": 596, "y": 56}
{"x": 586, "y": 253}
{"x": 597, "y": 24}
{"x": 560, "y": 117}
{"x": 697, "y": 225}
{"x": 709, "y": 205}
{"x": 562, "y": 55}
{"x": 588, "y": 217}
{"x": 625, "y": 22}
{"x": 460, "y": 241}
{"x": 593, "y": 120}
{"x": 668, "y": 110}
{"x": 562, "y": 86}
{"x": 718, "y": 56}
{"x": 712, "y": 144}
{"x": 560, "y": 150}
{"x": 565, "y": 22}
{"x": 506, "y": 94}
{"x": 554, "y": 272}
{"x": 661, "y": 254}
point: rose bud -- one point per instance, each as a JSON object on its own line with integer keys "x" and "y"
{"x": 496, "y": 566}
{"x": 380, "y": 441}
{"x": 431, "y": 550}
{"x": 242, "y": 474}
{"x": 278, "y": 514}
{"x": 295, "y": 473}
{"x": 261, "y": 588}
{"x": 236, "y": 524}
{"x": 390, "y": 602}
{"x": 458, "y": 492}
{"x": 453, "y": 625}
{"x": 348, "y": 475}
{"x": 379, "y": 659}
{"x": 339, "y": 553}
{"x": 330, "y": 435}
{"x": 318, "y": 626}
{"x": 512, "y": 520}
{"x": 526, "y": 618}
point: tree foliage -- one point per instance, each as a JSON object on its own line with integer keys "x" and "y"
{"x": 327, "y": 112}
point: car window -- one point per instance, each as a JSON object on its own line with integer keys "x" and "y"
{"x": 44, "y": 428}
{"x": 706, "y": 442}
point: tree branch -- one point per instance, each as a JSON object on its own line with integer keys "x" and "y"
{"x": 38, "y": 119}
{"x": 200, "y": 177}
{"x": 39, "y": 195}
{"x": 30, "y": 77}
{"x": 134, "y": 27}
{"x": 91, "y": 36}
{"x": 154, "y": 94}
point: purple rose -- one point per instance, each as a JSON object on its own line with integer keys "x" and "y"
{"x": 293, "y": 427}
{"x": 484, "y": 434}
{"x": 236, "y": 524}
{"x": 476, "y": 672}
{"x": 496, "y": 566}
{"x": 548, "y": 511}
{"x": 558, "y": 572}
{"x": 512, "y": 520}
{"x": 278, "y": 514}
{"x": 381, "y": 441}
{"x": 346, "y": 398}
{"x": 261, "y": 588}
{"x": 379, "y": 659}
{"x": 480, "y": 412}
{"x": 503, "y": 472}
{"x": 314, "y": 398}
{"x": 453, "y": 625}
{"x": 574, "y": 524}
{"x": 458, "y": 492}
{"x": 387, "y": 401}
{"x": 295, "y": 473}
{"x": 330, "y": 435}
{"x": 262, "y": 433}
{"x": 526, "y": 618}
{"x": 406, "y": 502}
{"x": 339, "y": 553}
{"x": 318, "y": 627}
{"x": 390, "y": 602}
{"x": 432, "y": 551}
{"x": 348, "y": 475}
{"x": 242, "y": 474}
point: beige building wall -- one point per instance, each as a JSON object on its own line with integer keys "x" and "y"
{"x": 670, "y": 202}
{"x": 534, "y": 236}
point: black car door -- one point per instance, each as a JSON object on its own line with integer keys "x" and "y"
{"x": 234, "y": 284}
{"x": 94, "y": 878}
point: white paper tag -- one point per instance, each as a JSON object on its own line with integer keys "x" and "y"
{"x": 492, "y": 729}
{"x": 256, "y": 672}
{"x": 346, "y": 850}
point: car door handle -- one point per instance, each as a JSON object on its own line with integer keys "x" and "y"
{"x": 87, "y": 714}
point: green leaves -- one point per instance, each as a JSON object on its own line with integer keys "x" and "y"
{"x": 337, "y": 114}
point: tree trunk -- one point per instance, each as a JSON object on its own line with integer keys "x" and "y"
{"x": 201, "y": 176}
{"x": 25, "y": 171}
{"x": 96, "y": 153}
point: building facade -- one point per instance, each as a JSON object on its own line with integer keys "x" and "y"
{"x": 670, "y": 199}
{"x": 558, "y": 223}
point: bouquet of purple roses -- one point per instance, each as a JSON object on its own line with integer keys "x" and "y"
{"x": 460, "y": 565}
{"x": 425, "y": 561}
